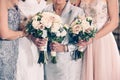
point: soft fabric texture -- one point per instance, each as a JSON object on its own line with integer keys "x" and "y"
{"x": 65, "y": 68}
{"x": 27, "y": 65}
{"x": 9, "y": 48}
{"x": 101, "y": 60}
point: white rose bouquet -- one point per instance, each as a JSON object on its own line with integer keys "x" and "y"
{"x": 57, "y": 33}
{"x": 38, "y": 27}
{"x": 81, "y": 29}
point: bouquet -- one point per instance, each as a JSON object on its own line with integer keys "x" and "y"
{"x": 82, "y": 29}
{"x": 38, "y": 27}
{"x": 57, "y": 33}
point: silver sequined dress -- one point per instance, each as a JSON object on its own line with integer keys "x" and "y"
{"x": 9, "y": 49}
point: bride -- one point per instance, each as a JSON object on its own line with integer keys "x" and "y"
{"x": 27, "y": 67}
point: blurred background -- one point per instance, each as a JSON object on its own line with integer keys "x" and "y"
{"x": 116, "y": 32}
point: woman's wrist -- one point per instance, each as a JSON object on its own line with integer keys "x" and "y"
{"x": 65, "y": 48}
{"x": 21, "y": 34}
{"x": 32, "y": 38}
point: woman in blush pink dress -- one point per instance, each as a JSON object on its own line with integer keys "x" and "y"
{"x": 101, "y": 60}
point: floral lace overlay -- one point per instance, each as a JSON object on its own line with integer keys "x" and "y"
{"x": 98, "y": 11}
{"x": 9, "y": 49}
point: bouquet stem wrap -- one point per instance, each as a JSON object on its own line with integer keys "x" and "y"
{"x": 53, "y": 57}
{"x": 43, "y": 55}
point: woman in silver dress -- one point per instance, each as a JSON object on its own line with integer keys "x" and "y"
{"x": 9, "y": 34}
{"x": 65, "y": 68}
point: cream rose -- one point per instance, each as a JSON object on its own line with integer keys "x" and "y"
{"x": 58, "y": 34}
{"x": 76, "y": 29}
{"x": 55, "y": 27}
{"x": 63, "y": 33}
{"x": 35, "y": 24}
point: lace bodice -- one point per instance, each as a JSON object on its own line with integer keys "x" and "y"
{"x": 98, "y": 11}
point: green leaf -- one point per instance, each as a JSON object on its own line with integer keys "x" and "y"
{"x": 53, "y": 60}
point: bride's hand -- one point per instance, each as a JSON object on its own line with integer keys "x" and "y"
{"x": 57, "y": 47}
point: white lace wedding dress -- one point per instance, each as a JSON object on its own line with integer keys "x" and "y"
{"x": 27, "y": 66}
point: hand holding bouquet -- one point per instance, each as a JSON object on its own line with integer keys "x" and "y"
{"x": 38, "y": 27}
{"x": 57, "y": 33}
{"x": 82, "y": 29}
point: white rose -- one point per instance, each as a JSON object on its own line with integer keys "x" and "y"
{"x": 57, "y": 19}
{"x": 49, "y": 18}
{"x": 76, "y": 29}
{"x": 63, "y": 33}
{"x": 44, "y": 34}
{"x": 85, "y": 25}
{"x": 46, "y": 22}
{"x": 77, "y": 21}
{"x": 40, "y": 26}
{"x": 35, "y": 24}
{"x": 55, "y": 27}
{"x": 58, "y": 34}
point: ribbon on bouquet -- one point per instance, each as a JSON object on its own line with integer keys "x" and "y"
{"x": 43, "y": 55}
{"x": 77, "y": 54}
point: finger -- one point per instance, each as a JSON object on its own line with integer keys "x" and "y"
{"x": 51, "y": 46}
{"x": 37, "y": 45}
{"x": 55, "y": 42}
{"x": 83, "y": 44}
{"x": 37, "y": 39}
{"x": 46, "y": 39}
{"x": 40, "y": 41}
{"x": 55, "y": 45}
{"x": 41, "y": 44}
